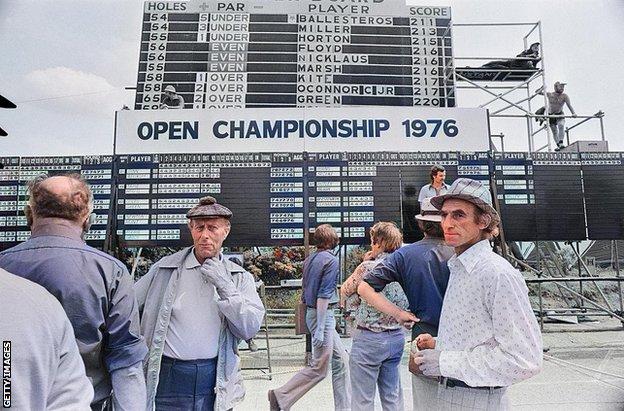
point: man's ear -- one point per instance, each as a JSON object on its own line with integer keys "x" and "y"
{"x": 88, "y": 222}
{"x": 485, "y": 221}
{"x": 29, "y": 215}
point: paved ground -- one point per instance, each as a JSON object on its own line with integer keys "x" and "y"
{"x": 583, "y": 370}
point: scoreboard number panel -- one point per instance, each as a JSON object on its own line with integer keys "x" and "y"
{"x": 308, "y": 53}
{"x": 9, "y": 198}
{"x": 263, "y": 190}
{"x": 513, "y": 173}
{"x": 560, "y": 213}
{"x": 603, "y": 179}
{"x": 17, "y": 172}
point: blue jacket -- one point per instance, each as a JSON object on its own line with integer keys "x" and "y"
{"x": 95, "y": 291}
{"x": 421, "y": 269}
{"x": 242, "y": 311}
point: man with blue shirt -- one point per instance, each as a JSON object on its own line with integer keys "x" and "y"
{"x": 421, "y": 269}
{"x": 320, "y": 277}
{"x": 94, "y": 288}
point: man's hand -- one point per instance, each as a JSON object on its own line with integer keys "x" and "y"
{"x": 412, "y": 366}
{"x": 428, "y": 362}
{"x": 214, "y": 272}
{"x": 318, "y": 338}
{"x": 425, "y": 341}
{"x": 405, "y": 318}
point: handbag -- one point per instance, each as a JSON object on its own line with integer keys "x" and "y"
{"x": 300, "y": 319}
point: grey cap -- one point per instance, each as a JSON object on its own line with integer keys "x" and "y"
{"x": 428, "y": 212}
{"x": 170, "y": 89}
{"x": 471, "y": 191}
{"x": 209, "y": 208}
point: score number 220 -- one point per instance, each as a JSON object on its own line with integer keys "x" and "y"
{"x": 430, "y": 127}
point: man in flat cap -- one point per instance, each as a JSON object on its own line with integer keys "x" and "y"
{"x": 488, "y": 338}
{"x": 195, "y": 307}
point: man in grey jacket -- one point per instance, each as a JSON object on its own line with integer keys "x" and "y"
{"x": 195, "y": 308}
{"x": 42, "y": 365}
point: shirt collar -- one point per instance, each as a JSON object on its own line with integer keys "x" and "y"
{"x": 444, "y": 185}
{"x": 382, "y": 255}
{"x": 190, "y": 262}
{"x": 56, "y": 226}
{"x": 469, "y": 258}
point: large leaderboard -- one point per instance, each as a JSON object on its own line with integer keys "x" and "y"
{"x": 305, "y": 53}
{"x": 275, "y": 197}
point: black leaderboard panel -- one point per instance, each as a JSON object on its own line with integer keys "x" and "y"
{"x": 540, "y": 196}
{"x": 264, "y": 192}
{"x": 513, "y": 173}
{"x": 603, "y": 178}
{"x": 275, "y": 197}
{"x": 309, "y": 53}
{"x": 17, "y": 172}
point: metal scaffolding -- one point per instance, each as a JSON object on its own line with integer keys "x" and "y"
{"x": 529, "y": 82}
{"x": 515, "y": 89}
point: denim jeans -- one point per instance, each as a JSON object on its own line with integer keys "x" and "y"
{"x": 186, "y": 385}
{"x": 307, "y": 378}
{"x": 374, "y": 362}
{"x": 558, "y": 131}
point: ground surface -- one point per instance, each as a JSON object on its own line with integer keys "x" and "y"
{"x": 562, "y": 385}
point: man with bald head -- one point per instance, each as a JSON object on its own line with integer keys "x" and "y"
{"x": 94, "y": 288}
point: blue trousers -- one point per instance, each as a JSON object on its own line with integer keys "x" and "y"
{"x": 186, "y": 385}
{"x": 374, "y": 362}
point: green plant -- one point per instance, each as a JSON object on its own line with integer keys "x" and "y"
{"x": 283, "y": 263}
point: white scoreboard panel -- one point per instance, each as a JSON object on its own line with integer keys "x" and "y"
{"x": 305, "y": 53}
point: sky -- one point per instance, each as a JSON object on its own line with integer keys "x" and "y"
{"x": 66, "y": 64}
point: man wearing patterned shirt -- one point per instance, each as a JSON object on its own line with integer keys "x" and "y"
{"x": 488, "y": 337}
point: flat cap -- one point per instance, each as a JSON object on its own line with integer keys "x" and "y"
{"x": 472, "y": 191}
{"x": 209, "y": 208}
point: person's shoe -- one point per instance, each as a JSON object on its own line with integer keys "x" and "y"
{"x": 252, "y": 345}
{"x": 273, "y": 404}
{"x": 557, "y": 148}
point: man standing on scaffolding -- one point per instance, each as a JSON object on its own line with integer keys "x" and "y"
{"x": 556, "y": 100}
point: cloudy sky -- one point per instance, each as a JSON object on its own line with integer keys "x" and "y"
{"x": 66, "y": 63}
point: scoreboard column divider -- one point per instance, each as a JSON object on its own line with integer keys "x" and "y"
{"x": 496, "y": 203}
{"x": 110, "y": 242}
{"x": 306, "y": 207}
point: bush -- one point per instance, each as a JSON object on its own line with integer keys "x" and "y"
{"x": 284, "y": 263}
{"x": 355, "y": 256}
